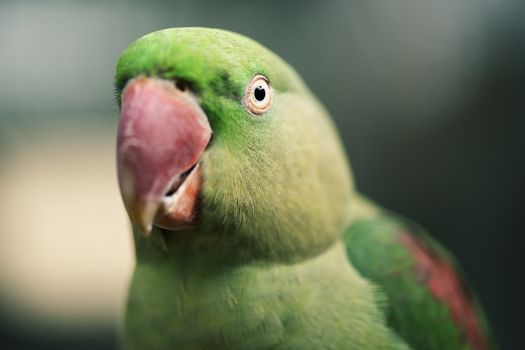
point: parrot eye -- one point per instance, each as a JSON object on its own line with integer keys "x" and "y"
{"x": 258, "y": 96}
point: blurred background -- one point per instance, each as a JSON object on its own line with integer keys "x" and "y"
{"x": 428, "y": 96}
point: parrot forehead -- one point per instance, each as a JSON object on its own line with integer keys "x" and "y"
{"x": 206, "y": 57}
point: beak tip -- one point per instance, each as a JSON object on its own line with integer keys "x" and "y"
{"x": 143, "y": 214}
{"x": 145, "y": 230}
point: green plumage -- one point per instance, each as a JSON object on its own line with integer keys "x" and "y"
{"x": 375, "y": 248}
{"x": 286, "y": 255}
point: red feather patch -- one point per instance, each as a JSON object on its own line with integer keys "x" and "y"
{"x": 448, "y": 288}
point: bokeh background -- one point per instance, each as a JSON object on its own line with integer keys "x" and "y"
{"x": 428, "y": 96}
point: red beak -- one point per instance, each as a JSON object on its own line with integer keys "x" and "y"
{"x": 162, "y": 134}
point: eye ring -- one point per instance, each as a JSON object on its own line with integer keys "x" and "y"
{"x": 258, "y": 96}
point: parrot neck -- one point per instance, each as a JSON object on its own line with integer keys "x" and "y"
{"x": 193, "y": 299}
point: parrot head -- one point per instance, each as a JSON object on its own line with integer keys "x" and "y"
{"x": 222, "y": 148}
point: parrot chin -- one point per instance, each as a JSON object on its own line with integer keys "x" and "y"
{"x": 162, "y": 136}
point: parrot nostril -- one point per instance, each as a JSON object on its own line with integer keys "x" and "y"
{"x": 181, "y": 85}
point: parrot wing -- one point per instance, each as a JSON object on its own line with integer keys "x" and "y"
{"x": 428, "y": 302}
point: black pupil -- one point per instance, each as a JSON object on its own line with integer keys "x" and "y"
{"x": 259, "y": 93}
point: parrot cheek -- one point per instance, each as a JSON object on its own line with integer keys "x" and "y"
{"x": 162, "y": 136}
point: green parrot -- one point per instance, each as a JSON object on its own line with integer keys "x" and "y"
{"x": 249, "y": 233}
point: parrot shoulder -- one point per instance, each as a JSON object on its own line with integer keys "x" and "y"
{"x": 429, "y": 304}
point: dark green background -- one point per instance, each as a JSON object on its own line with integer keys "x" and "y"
{"x": 429, "y": 98}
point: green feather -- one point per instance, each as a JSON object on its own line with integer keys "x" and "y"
{"x": 376, "y": 250}
{"x": 190, "y": 301}
{"x": 267, "y": 266}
